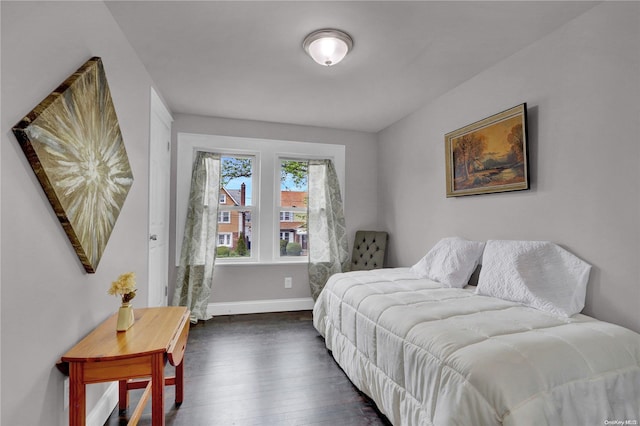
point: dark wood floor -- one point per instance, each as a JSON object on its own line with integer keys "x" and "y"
{"x": 261, "y": 369}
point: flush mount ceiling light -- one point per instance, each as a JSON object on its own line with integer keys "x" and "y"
{"x": 328, "y": 47}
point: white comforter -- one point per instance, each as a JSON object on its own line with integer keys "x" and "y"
{"x": 429, "y": 355}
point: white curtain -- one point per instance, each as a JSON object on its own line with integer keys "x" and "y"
{"x": 198, "y": 254}
{"x": 328, "y": 248}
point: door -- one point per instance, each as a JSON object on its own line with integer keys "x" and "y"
{"x": 159, "y": 173}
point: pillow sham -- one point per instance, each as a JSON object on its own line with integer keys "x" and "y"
{"x": 538, "y": 274}
{"x": 450, "y": 262}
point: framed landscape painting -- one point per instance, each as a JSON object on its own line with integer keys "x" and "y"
{"x": 74, "y": 145}
{"x": 489, "y": 155}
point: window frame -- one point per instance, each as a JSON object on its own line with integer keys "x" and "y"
{"x": 265, "y": 195}
{"x": 252, "y": 208}
{"x": 225, "y": 234}
{"x": 221, "y": 216}
{"x": 284, "y": 219}
{"x": 288, "y": 233}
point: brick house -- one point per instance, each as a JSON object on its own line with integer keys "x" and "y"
{"x": 293, "y": 225}
{"x": 231, "y": 223}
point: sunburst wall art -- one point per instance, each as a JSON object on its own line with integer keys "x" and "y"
{"x": 73, "y": 142}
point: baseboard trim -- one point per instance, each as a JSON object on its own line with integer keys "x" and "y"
{"x": 260, "y": 306}
{"x": 103, "y": 409}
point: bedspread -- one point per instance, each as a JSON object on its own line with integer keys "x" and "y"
{"x": 440, "y": 356}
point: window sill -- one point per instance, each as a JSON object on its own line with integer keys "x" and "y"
{"x": 263, "y": 263}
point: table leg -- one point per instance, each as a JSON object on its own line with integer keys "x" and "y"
{"x": 180, "y": 382}
{"x": 77, "y": 395}
{"x": 123, "y": 395}
{"x": 157, "y": 389}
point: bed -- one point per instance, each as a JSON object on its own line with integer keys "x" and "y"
{"x": 439, "y": 352}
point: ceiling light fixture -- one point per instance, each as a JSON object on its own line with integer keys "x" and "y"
{"x": 328, "y": 47}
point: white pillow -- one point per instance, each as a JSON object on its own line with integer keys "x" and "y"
{"x": 450, "y": 262}
{"x": 538, "y": 274}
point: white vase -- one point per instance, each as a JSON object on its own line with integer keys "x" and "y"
{"x": 125, "y": 317}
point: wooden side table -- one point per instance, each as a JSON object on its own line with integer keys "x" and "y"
{"x": 135, "y": 358}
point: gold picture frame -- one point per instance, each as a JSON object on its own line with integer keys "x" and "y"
{"x": 74, "y": 145}
{"x": 489, "y": 155}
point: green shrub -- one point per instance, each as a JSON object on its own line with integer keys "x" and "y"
{"x": 294, "y": 249}
{"x": 222, "y": 251}
{"x": 283, "y": 247}
{"x": 241, "y": 245}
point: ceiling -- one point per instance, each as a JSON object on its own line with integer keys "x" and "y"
{"x": 244, "y": 59}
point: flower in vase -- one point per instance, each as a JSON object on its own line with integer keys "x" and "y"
{"x": 124, "y": 286}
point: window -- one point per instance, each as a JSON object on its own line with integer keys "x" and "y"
{"x": 234, "y": 211}
{"x": 286, "y": 236}
{"x": 224, "y": 239}
{"x": 273, "y": 214}
{"x": 286, "y": 216}
{"x": 224, "y": 217}
{"x": 293, "y": 206}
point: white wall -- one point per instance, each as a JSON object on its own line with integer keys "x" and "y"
{"x": 582, "y": 86}
{"x": 48, "y": 301}
{"x": 234, "y": 283}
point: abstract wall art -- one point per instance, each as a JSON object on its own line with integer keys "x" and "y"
{"x": 73, "y": 142}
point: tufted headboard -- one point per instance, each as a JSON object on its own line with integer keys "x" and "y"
{"x": 368, "y": 250}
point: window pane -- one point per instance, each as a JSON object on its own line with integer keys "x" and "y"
{"x": 234, "y": 224}
{"x": 286, "y": 216}
{"x": 224, "y": 239}
{"x": 293, "y": 183}
{"x": 233, "y": 241}
{"x": 236, "y": 179}
{"x": 293, "y": 236}
{"x": 294, "y": 194}
{"x": 224, "y": 217}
